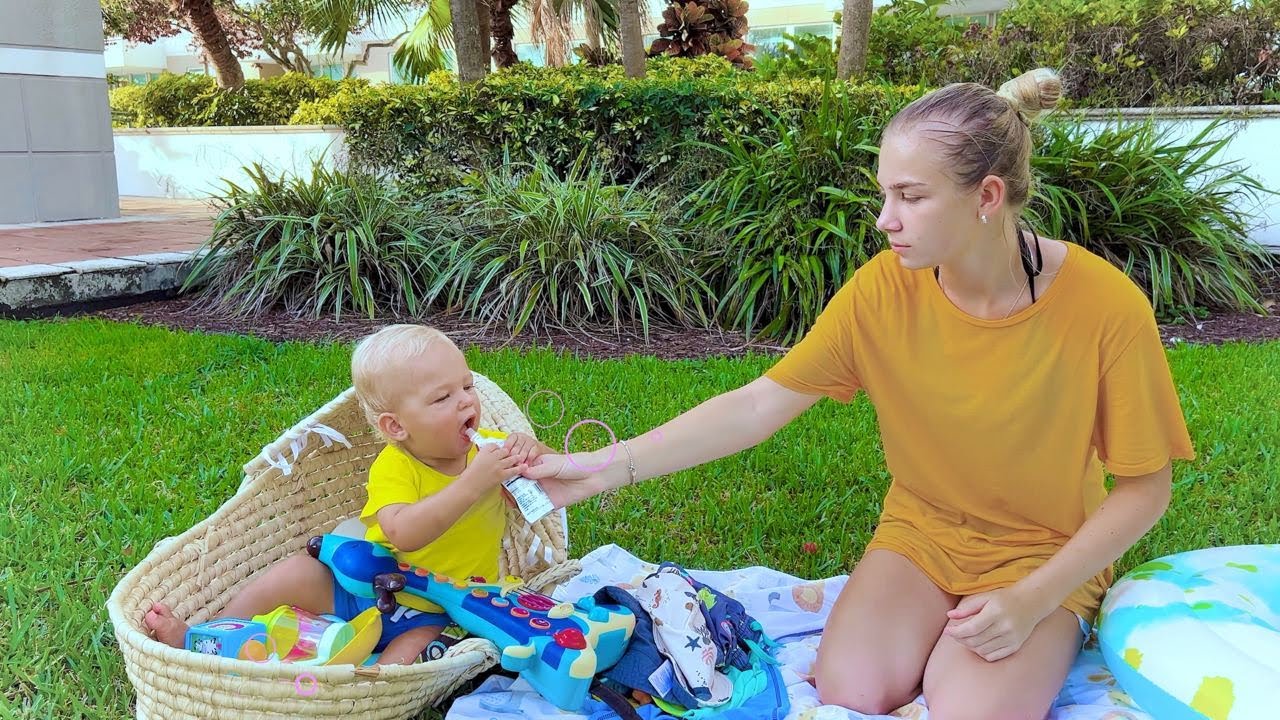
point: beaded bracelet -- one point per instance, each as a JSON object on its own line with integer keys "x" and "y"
{"x": 631, "y": 462}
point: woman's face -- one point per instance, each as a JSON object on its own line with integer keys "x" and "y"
{"x": 927, "y": 218}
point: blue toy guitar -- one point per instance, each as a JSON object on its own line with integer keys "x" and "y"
{"x": 557, "y": 647}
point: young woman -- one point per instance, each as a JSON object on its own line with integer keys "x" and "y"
{"x": 1007, "y": 371}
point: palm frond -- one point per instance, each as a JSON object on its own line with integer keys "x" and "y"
{"x": 333, "y": 21}
{"x": 423, "y": 51}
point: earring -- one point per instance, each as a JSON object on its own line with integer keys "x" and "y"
{"x": 984, "y": 219}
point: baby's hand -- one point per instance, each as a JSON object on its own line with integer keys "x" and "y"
{"x": 524, "y": 448}
{"x": 493, "y": 465}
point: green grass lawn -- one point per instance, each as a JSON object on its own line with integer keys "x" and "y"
{"x": 114, "y": 436}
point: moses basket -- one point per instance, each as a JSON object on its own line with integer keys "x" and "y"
{"x": 303, "y": 484}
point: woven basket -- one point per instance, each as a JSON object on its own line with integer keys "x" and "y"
{"x": 303, "y": 484}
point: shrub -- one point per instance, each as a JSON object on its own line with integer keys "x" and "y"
{"x": 196, "y": 100}
{"x": 789, "y": 221}
{"x": 691, "y": 28}
{"x": 632, "y": 127}
{"x": 1145, "y": 52}
{"x": 336, "y": 243}
{"x": 1109, "y": 52}
{"x": 1168, "y": 212}
{"x": 910, "y": 43}
{"x": 541, "y": 249}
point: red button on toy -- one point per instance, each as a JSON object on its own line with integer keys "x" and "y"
{"x": 404, "y": 567}
{"x": 570, "y": 638}
{"x": 421, "y": 572}
{"x": 539, "y": 624}
{"x": 541, "y": 603}
{"x": 519, "y": 612}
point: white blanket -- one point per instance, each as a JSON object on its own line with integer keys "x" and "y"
{"x": 793, "y": 611}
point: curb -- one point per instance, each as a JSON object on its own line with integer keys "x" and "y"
{"x": 40, "y": 290}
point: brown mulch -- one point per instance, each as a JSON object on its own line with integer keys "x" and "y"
{"x": 667, "y": 343}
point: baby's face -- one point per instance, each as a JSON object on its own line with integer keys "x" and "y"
{"x": 436, "y": 402}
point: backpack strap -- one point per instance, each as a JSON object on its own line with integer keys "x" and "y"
{"x": 616, "y": 701}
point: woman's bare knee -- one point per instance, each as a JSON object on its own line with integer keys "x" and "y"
{"x": 981, "y": 708}
{"x": 861, "y": 689}
{"x": 873, "y": 653}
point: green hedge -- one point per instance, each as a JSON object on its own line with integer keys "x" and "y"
{"x": 631, "y": 127}
{"x": 1110, "y": 53}
{"x": 197, "y": 101}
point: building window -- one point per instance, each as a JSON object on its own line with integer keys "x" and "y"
{"x": 984, "y": 20}
{"x": 826, "y": 30}
{"x": 333, "y": 71}
{"x": 767, "y": 39}
{"x": 531, "y": 53}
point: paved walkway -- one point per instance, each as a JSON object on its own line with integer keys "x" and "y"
{"x": 54, "y": 268}
{"x": 147, "y": 226}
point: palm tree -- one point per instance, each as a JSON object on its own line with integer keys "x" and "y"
{"x": 504, "y": 33}
{"x": 472, "y": 64}
{"x": 855, "y": 28}
{"x": 423, "y": 49}
{"x": 632, "y": 40}
{"x": 203, "y": 21}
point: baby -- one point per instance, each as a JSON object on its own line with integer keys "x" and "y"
{"x": 435, "y": 499}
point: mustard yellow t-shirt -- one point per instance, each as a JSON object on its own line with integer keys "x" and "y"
{"x": 469, "y": 548}
{"x": 996, "y": 432}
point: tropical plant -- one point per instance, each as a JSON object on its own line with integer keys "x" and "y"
{"x": 149, "y": 20}
{"x": 423, "y": 50}
{"x": 1167, "y": 210}
{"x": 331, "y": 244}
{"x": 803, "y": 55}
{"x": 541, "y": 249}
{"x": 787, "y": 222}
{"x": 691, "y": 28}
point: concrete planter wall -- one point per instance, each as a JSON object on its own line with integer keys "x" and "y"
{"x": 191, "y": 162}
{"x": 1254, "y": 145}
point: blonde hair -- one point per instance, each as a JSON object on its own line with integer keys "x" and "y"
{"x": 985, "y": 132}
{"x": 383, "y": 355}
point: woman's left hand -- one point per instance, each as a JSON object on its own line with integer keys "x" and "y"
{"x": 994, "y": 624}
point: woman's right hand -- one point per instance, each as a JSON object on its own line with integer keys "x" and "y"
{"x": 570, "y": 480}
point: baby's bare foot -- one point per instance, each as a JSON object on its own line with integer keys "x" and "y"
{"x": 165, "y": 627}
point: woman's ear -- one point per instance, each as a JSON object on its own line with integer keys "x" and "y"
{"x": 991, "y": 196}
{"x": 391, "y": 428}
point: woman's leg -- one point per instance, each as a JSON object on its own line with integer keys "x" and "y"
{"x": 880, "y": 634}
{"x": 960, "y": 685}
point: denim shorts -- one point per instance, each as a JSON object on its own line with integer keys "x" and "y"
{"x": 1085, "y": 630}
{"x": 348, "y": 606}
